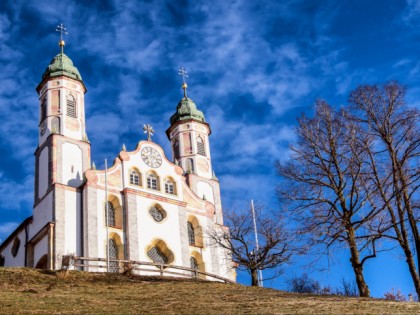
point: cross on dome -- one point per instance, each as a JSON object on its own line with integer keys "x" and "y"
{"x": 149, "y": 130}
{"x": 182, "y": 72}
{"x": 63, "y": 31}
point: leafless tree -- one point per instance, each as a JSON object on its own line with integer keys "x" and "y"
{"x": 325, "y": 187}
{"x": 275, "y": 242}
{"x": 390, "y": 128}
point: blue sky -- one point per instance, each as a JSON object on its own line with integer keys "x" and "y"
{"x": 254, "y": 67}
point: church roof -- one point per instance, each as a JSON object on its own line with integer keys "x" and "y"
{"x": 61, "y": 64}
{"x": 187, "y": 109}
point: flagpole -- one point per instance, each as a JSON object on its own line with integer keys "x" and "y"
{"x": 106, "y": 215}
{"x": 260, "y": 280}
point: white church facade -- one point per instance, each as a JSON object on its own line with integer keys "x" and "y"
{"x": 144, "y": 207}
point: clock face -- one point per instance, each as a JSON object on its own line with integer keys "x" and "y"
{"x": 151, "y": 157}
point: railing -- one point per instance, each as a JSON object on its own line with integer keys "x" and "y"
{"x": 137, "y": 268}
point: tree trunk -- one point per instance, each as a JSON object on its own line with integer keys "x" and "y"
{"x": 357, "y": 265}
{"x": 254, "y": 275}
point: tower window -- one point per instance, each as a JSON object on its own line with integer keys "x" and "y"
{"x": 152, "y": 181}
{"x": 200, "y": 146}
{"x": 176, "y": 149}
{"x": 44, "y": 109}
{"x": 71, "y": 106}
{"x": 135, "y": 178}
{"x": 170, "y": 186}
{"x": 190, "y": 166}
{"x": 111, "y": 213}
{"x": 191, "y": 234}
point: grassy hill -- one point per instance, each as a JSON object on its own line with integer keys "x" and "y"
{"x": 29, "y": 291}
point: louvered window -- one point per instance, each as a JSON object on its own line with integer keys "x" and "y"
{"x": 71, "y": 106}
{"x": 157, "y": 256}
{"x": 191, "y": 234}
{"x": 111, "y": 213}
{"x": 200, "y": 146}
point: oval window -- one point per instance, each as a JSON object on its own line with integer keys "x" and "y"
{"x": 15, "y": 247}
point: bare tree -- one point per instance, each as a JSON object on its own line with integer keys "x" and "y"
{"x": 275, "y": 242}
{"x": 325, "y": 187}
{"x": 390, "y": 128}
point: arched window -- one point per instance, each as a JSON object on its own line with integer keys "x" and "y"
{"x": 111, "y": 213}
{"x": 200, "y": 146}
{"x": 55, "y": 125}
{"x": 176, "y": 149}
{"x": 157, "y": 213}
{"x": 194, "y": 266}
{"x": 152, "y": 181}
{"x": 71, "y": 106}
{"x": 190, "y": 166}
{"x": 43, "y": 109}
{"x": 135, "y": 178}
{"x": 113, "y": 255}
{"x": 191, "y": 233}
{"x": 170, "y": 186}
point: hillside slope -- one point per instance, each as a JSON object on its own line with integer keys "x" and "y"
{"x": 29, "y": 291}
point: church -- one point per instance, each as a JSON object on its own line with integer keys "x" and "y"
{"x": 145, "y": 207}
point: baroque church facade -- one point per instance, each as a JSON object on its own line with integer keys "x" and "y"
{"x": 145, "y": 207}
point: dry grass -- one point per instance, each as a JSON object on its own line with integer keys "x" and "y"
{"x": 28, "y": 291}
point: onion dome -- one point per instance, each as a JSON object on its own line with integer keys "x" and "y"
{"x": 62, "y": 65}
{"x": 187, "y": 109}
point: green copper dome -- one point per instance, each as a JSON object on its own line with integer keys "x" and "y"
{"x": 62, "y": 65}
{"x": 187, "y": 109}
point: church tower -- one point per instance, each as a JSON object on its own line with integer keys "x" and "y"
{"x": 189, "y": 135}
{"x": 62, "y": 156}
